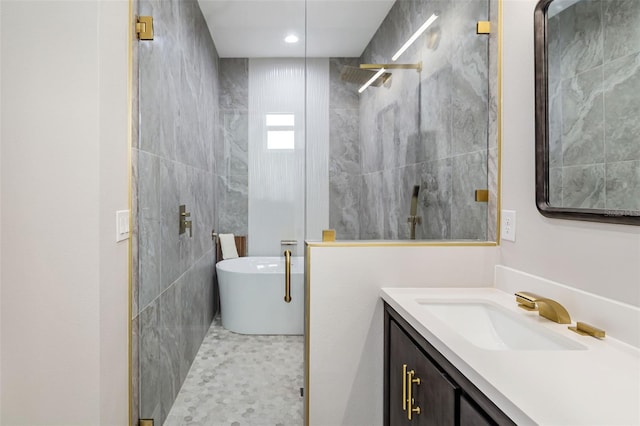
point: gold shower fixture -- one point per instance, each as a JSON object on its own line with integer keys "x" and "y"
{"x": 417, "y": 66}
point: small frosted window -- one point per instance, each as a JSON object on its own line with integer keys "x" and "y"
{"x": 280, "y": 139}
{"x": 280, "y": 131}
{"x": 280, "y": 120}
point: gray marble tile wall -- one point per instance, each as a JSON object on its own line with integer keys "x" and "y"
{"x": 594, "y": 68}
{"x": 429, "y": 128}
{"x": 179, "y": 93}
{"x": 345, "y": 171}
{"x": 233, "y": 173}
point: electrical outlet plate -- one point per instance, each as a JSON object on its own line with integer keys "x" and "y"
{"x": 122, "y": 225}
{"x": 508, "y": 225}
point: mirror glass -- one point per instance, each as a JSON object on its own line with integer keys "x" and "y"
{"x": 588, "y": 132}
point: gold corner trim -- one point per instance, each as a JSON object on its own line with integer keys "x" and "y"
{"x": 403, "y": 243}
{"x": 307, "y": 326}
{"x": 130, "y": 60}
{"x": 328, "y": 235}
{"x": 499, "y": 124}
{"x": 483, "y": 27}
{"x": 482, "y": 195}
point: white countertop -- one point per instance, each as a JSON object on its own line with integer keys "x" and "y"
{"x": 596, "y": 386}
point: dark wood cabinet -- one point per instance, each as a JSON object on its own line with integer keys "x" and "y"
{"x": 420, "y": 394}
{"x": 421, "y": 387}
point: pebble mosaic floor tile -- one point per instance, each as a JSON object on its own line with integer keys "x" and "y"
{"x": 241, "y": 380}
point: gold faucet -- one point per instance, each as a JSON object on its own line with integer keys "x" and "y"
{"x": 548, "y": 308}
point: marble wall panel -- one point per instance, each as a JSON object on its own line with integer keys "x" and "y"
{"x": 622, "y": 108}
{"x": 176, "y": 164}
{"x": 593, "y": 85}
{"x": 582, "y": 116}
{"x": 232, "y": 180}
{"x": 621, "y": 22}
{"x": 581, "y": 37}
{"x": 234, "y": 87}
{"x": 429, "y": 120}
{"x": 584, "y": 186}
{"x": 345, "y": 170}
{"x": 344, "y": 147}
{"x": 555, "y": 186}
{"x": 435, "y": 199}
{"x": 234, "y": 155}
{"x": 150, "y": 366}
{"x": 344, "y": 196}
{"x": 172, "y": 345}
{"x": 234, "y": 204}
{"x": 372, "y": 207}
{"x": 623, "y": 186}
{"x": 468, "y": 217}
{"x": 469, "y": 116}
{"x": 435, "y": 120}
{"x": 343, "y": 95}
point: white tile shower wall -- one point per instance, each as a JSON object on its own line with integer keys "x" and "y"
{"x": 276, "y": 176}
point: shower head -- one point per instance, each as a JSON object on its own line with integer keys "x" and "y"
{"x": 361, "y": 76}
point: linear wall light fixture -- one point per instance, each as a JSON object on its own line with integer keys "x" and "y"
{"x": 415, "y": 35}
{"x": 371, "y": 80}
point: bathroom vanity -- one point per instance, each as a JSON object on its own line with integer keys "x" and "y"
{"x": 422, "y": 387}
{"x": 471, "y": 356}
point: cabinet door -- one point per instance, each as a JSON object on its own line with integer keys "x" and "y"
{"x": 470, "y": 415}
{"x": 435, "y": 395}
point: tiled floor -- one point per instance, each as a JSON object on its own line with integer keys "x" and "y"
{"x": 242, "y": 380}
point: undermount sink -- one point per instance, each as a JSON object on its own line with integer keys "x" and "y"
{"x": 492, "y": 327}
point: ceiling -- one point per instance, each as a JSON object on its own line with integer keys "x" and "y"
{"x": 257, "y": 28}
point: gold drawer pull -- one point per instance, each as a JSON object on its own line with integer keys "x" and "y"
{"x": 410, "y": 381}
{"x": 404, "y": 387}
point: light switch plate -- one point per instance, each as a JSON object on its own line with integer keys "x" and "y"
{"x": 508, "y": 225}
{"x": 122, "y": 225}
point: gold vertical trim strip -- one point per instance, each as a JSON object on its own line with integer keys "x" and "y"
{"x": 131, "y": 27}
{"x": 499, "y": 160}
{"x": 307, "y": 326}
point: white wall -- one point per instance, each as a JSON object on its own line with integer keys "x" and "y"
{"x": 64, "y": 173}
{"x": 600, "y": 258}
{"x": 346, "y": 318}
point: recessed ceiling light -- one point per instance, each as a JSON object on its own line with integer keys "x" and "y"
{"x": 291, "y": 38}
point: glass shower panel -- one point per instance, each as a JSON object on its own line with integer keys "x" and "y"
{"x": 408, "y": 153}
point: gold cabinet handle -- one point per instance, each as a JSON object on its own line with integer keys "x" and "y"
{"x": 404, "y": 387}
{"x": 287, "y": 276}
{"x": 410, "y": 381}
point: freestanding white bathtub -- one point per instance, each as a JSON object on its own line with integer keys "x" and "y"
{"x": 252, "y": 295}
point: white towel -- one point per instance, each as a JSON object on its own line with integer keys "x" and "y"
{"x": 228, "y": 246}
